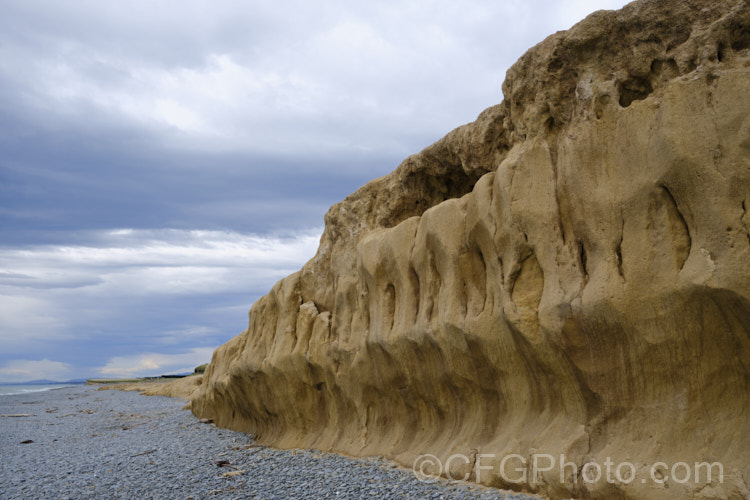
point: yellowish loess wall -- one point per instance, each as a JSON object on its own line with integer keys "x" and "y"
{"x": 568, "y": 274}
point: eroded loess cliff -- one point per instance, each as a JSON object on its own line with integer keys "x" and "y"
{"x": 568, "y": 274}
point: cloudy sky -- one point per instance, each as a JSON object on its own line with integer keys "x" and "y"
{"x": 163, "y": 163}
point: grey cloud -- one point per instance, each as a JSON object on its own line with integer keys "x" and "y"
{"x": 248, "y": 119}
{"x": 130, "y": 291}
{"x": 15, "y": 276}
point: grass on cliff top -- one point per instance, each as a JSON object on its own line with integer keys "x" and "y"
{"x": 94, "y": 381}
{"x": 97, "y": 381}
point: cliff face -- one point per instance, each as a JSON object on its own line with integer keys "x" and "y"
{"x": 568, "y": 274}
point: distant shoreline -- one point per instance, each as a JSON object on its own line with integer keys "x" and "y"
{"x": 20, "y": 388}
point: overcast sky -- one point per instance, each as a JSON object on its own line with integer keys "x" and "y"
{"x": 163, "y": 163}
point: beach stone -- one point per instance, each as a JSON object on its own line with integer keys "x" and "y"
{"x": 170, "y": 454}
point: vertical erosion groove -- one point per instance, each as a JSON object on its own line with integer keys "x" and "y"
{"x": 721, "y": 51}
{"x": 433, "y": 298}
{"x": 463, "y": 298}
{"x": 526, "y": 295}
{"x": 745, "y": 223}
{"x": 480, "y": 283}
{"x": 618, "y": 253}
{"x": 582, "y": 259}
{"x": 414, "y": 282}
{"x": 389, "y": 306}
{"x": 474, "y": 275}
{"x": 678, "y": 229}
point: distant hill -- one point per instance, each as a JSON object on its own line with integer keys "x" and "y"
{"x": 47, "y": 382}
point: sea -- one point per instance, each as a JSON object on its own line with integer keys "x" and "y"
{"x": 8, "y": 389}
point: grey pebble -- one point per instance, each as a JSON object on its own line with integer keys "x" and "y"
{"x": 113, "y": 444}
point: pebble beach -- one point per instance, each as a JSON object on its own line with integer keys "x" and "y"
{"x": 79, "y": 442}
